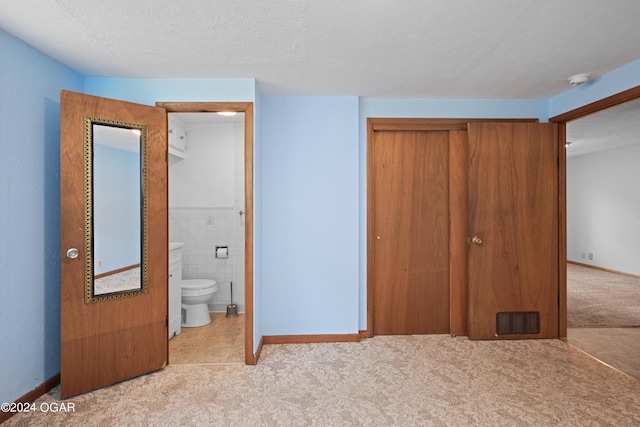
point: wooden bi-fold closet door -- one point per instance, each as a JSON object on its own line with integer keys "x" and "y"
{"x": 463, "y": 229}
{"x": 513, "y": 226}
{"x": 411, "y": 214}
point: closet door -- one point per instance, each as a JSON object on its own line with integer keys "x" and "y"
{"x": 109, "y": 333}
{"x": 513, "y": 227}
{"x": 411, "y": 242}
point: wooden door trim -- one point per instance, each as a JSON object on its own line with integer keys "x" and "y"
{"x": 247, "y": 108}
{"x": 562, "y": 231}
{"x": 602, "y": 104}
{"x": 459, "y": 327}
{"x": 428, "y": 124}
{"x": 370, "y": 229}
{"x": 620, "y": 98}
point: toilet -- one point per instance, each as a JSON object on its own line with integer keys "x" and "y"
{"x": 195, "y": 295}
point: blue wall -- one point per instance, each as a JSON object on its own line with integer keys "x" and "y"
{"x": 310, "y": 219}
{"x": 150, "y": 91}
{"x": 30, "y": 84}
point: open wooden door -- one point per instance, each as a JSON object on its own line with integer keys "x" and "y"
{"x": 112, "y": 334}
{"x": 513, "y": 226}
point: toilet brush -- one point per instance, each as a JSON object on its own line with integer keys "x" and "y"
{"x": 232, "y": 309}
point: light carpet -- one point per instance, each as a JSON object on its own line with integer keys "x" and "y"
{"x": 127, "y": 280}
{"x": 425, "y": 380}
{"x": 599, "y": 298}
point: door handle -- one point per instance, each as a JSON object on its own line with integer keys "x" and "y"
{"x": 476, "y": 240}
{"x": 73, "y": 253}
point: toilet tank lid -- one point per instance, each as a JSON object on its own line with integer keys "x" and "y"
{"x": 197, "y": 284}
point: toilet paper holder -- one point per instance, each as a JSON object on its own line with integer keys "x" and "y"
{"x": 222, "y": 252}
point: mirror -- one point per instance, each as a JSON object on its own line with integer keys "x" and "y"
{"x": 115, "y": 210}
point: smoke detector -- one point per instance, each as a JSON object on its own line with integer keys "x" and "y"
{"x": 579, "y": 79}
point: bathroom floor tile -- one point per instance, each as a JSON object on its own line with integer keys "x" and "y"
{"x": 221, "y": 341}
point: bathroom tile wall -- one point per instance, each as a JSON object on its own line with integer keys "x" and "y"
{"x": 201, "y": 230}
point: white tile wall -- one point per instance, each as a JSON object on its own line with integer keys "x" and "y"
{"x": 189, "y": 225}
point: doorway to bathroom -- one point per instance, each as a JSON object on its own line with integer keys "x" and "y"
{"x": 208, "y": 210}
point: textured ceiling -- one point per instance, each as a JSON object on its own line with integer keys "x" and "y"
{"x": 371, "y": 48}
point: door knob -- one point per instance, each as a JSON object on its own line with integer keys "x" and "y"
{"x": 73, "y": 253}
{"x": 476, "y": 240}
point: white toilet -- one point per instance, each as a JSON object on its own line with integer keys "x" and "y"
{"x": 195, "y": 295}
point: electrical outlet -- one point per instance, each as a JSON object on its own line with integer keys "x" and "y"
{"x": 209, "y": 219}
{"x": 99, "y": 263}
{"x": 590, "y": 255}
{"x": 583, "y": 255}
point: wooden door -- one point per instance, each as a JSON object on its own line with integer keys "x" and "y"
{"x": 110, "y": 339}
{"x": 513, "y": 208}
{"x": 411, "y": 243}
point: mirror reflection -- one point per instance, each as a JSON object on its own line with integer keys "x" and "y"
{"x": 117, "y": 212}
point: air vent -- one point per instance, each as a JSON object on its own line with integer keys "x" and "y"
{"x": 518, "y": 322}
